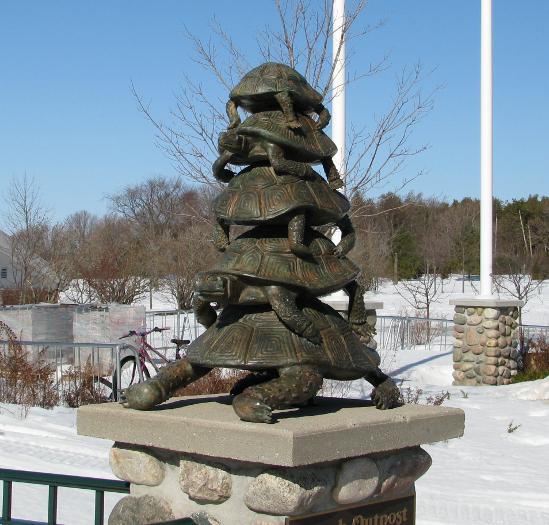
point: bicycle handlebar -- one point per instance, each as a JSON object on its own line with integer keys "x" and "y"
{"x": 133, "y": 333}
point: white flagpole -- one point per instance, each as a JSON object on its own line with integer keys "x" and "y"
{"x": 338, "y": 83}
{"x": 486, "y": 149}
{"x": 339, "y": 299}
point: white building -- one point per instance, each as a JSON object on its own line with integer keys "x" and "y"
{"x": 6, "y": 268}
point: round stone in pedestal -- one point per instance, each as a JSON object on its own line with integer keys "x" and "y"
{"x": 135, "y": 465}
{"x": 143, "y": 510}
{"x": 203, "y": 518}
{"x": 356, "y": 479}
{"x": 400, "y": 470}
{"x": 203, "y": 482}
{"x": 286, "y": 492}
{"x": 474, "y": 320}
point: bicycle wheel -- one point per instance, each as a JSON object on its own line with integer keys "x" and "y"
{"x": 129, "y": 374}
{"x": 103, "y": 388}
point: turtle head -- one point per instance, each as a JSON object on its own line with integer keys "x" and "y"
{"x": 232, "y": 141}
{"x": 211, "y": 287}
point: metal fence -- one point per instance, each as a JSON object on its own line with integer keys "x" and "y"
{"x": 531, "y": 334}
{"x": 54, "y": 482}
{"x": 73, "y": 363}
{"x": 407, "y": 333}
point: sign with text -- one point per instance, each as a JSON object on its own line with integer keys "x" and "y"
{"x": 400, "y": 511}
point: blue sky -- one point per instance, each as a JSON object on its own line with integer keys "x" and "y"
{"x": 68, "y": 119}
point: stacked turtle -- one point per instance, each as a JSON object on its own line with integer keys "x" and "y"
{"x": 268, "y": 279}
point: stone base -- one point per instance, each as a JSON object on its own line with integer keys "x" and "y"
{"x": 199, "y": 460}
{"x": 485, "y": 347}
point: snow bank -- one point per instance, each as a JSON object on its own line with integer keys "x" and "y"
{"x": 533, "y": 390}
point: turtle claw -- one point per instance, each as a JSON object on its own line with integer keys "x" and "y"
{"x": 253, "y": 410}
{"x": 143, "y": 396}
{"x": 386, "y": 395}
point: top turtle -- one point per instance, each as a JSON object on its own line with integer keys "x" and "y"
{"x": 273, "y": 86}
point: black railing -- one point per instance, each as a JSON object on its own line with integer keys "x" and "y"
{"x": 53, "y": 482}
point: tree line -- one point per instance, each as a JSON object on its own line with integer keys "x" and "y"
{"x": 156, "y": 236}
{"x": 407, "y": 237}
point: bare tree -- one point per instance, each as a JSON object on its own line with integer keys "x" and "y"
{"x": 184, "y": 256}
{"x": 173, "y": 220}
{"x": 300, "y": 37}
{"x": 421, "y": 292}
{"x": 28, "y": 223}
{"x": 516, "y": 279}
{"x": 109, "y": 264}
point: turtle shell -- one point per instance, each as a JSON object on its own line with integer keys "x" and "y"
{"x": 259, "y": 195}
{"x": 304, "y": 144}
{"x": 263, "y": 256}
{"x": 256, "y": 89}
{"x": 253, "y": 338}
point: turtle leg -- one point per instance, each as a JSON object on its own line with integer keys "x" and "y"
{"x": 356, "y": 313}
{"x": 286, "y": 167}
{"x": 295, "y": 386}
{"x": 283, "y": 303}
{"x": 386, "y": 393}
{"x": 220, "y": 235}
{"x": 324, "y": 116}
{"x": 348, "y": 237}
{"x": 296, "y": 236}
{"x": 232, "y": 113}
{"x": 218, "y": 167}
{"x": 204, "y": 312}
{"x": 287, "y": 105}
{"x": 255, "y": 378}
{"x": 334, "y": 179}
{"x": 146, "y": 395}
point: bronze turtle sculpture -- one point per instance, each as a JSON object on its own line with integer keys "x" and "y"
{"x": 259, "y": 267}
{"x": 276, "y": 86}
{"x": 289, "y": 370}
{"x": 257, "y": 195}
{"x": 265, "y": 136}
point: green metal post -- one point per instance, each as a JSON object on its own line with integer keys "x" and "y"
{"x": 52, "y": 505}
{"x": 6, "y": 500}
{"x": 99, "y": 507}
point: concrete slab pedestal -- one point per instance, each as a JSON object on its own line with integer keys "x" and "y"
{"x": 194, "y": 457}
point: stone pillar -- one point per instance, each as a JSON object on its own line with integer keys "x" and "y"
{"x": 195, "y": 458}
{"x": 486, "y": 341}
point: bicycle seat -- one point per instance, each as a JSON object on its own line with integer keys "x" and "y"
{"x": 180, "y": 342}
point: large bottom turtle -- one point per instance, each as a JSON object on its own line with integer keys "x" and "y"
{"x": 287, "y": 370}
{"x": 258, "y": 267}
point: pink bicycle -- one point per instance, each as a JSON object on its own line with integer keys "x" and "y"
{"x": 135, "y": 367}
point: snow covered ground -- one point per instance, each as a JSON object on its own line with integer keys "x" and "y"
{"x": 489, "y": 476}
